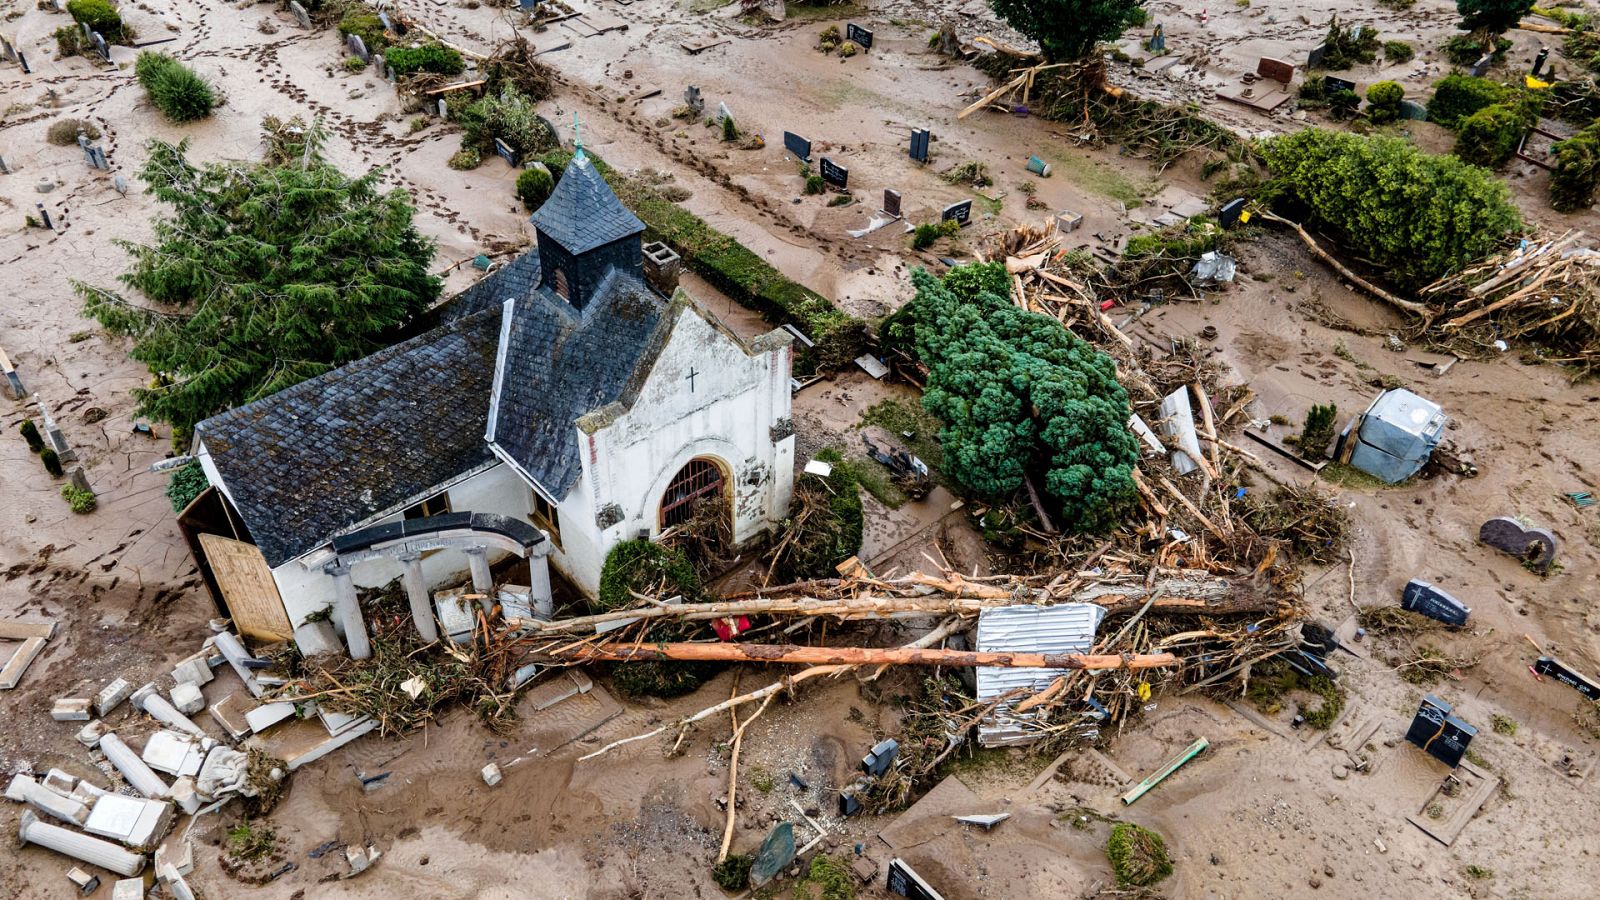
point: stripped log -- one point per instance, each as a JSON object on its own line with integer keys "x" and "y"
{"x": 790, "y": 654}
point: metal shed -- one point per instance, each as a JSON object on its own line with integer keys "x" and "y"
{"x": 1065, "y": 628}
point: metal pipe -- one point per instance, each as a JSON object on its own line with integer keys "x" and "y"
{"x": 82, "y": 847}
{"x": 150, "y": 700}
{"x": 133, "y": 768}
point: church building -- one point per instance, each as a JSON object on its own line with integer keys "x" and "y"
{"x": 561, "y": 405}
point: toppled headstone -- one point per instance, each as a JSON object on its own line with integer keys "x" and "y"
{"x": 178, "y": 854}
{"x": 775, "y": 855}
{"x": 1422, "y": 597}
{"x": 128, "y": 889}
{"x": 302, "y": 17}
{"x": 70, "y": 709}
{"x": 187, "y": 698}
{"x": 1534, "y": 546}
{"x": 86, "y": 883}
{"x": 1550, "y": 667}
{"x": 904, "y": 881}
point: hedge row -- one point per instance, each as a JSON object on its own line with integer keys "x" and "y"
{"x": 737, "y": 271}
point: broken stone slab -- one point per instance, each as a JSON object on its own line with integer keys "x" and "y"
{"x": 267, "y": 715}
{"x": 187, "y": 699}
{"x": 60, "y": 782}
{"x": 112, "y": 695}
{"x": 11, "y": 380}
{"x": 491, "y": 775}
{"x": 172, "y": 879}
{"x": 1422, "y": 597}
{"x": 71, "y": 709}
{"x": 185, "y": 795}
{"x": 987, "y": 820}
{"x": 83, "y": 881}
{"x": 128, "y": 889}
{"x": 177, "y": 854}
{"x": 24, "y": 789}
{"x": 1536, "y": 547}
{"x": 195, "y": 670}
{"x": 138, "y": 823}
{"x": 360, "y": 859}
{"x": 90, "y": 734}
{"x": 229, "y": 712}
{"x": 1177, "y": 420}
{"x": 173, "y": 752}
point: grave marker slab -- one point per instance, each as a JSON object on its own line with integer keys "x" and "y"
{"x": 1482, "y": 65}
{"x": 891, "y": 202}
{"x": 905, "y": 882}
{"x": 1442, "y": 735}
{"x": 22, "y": 61}
{"x": 775, "y": 855}
{"x": 693, "y": 100}
{"x": 357, "y": 47}
{"x": 1411, "y": 109}
{"x": 958, "y": 212}
{"x": 1422, "y": 597}
{"x": 100, "y": 45}
{"x": 1231, "y": 212}
{"x": 6, "y": 49}
{"x": 504, "y": 151}
{"x": 1316, "y": 56}
{"x": 1551, "y": 667}
{"x": 723, "y": 112}
{"x": 1158, "y": 41}
{"x": 861, "y": 36}
{"x": 1332, "y": 84}
{"x": 1535, "y": 546}
{"x": 300, "y": 15}
{"x": 443, "y": 108}
{"x": 835, "y": 174}
{"x": 920, "y": 137}
{"x": 1275, "y": 69}
{"x": 797, "y": 145}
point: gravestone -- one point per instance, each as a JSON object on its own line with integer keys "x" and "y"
{"x": 384, "y": 18}
{"x": 861, "y": 36}
{"x": 1158, "y": 41}
{"x": 799, "y": 146}
{"x": 1442, "y": 735}
{"x": 958, "y": 212}
{"x": 44, "y": 216}
{"x": 920, "y": 138}
{"x": 1534, "y": 546}
{"x": 22, "y": 61}
{"x": 97, "y": 158}
{"x": 835, "y": 174}
{"x": 4, "y": 169}
{"x": 693, "y": 100}
{"x": 379, "y": 64}
{"x": 1482, "y": 65}
{"x": 357, "y": 47}
{"x": 505, "y": 152}
{"x": 1550, "y": 667}
{"x": 1538, "y": 61}
{"x": 1230, "y": 212}
{"x": 1316, "y": 56}
{"x": 881, "y": 758}
{"x": 443, "y": 108}
{"x": 1275, "y": 69}
{"x": 120, "y": 183}
{"x": 6, "y": 50}
{"x": 1425, "y": 599}
{"x": 100, "y": 45}
{"x": 1411, "y": 109}
{"x": 1331, "y": 84}
{"x": 723, "y": 112}
{"x": 905, "y": 882}
{"x": 300, "y": 14}
{"x": 848, "y": 804}
{"x": 52, "y": 431}
{"x": 891, "y": 202}
{"x": 775, "y": 855}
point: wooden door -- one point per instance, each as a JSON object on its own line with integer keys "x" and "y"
{"x": 247, "y": 586}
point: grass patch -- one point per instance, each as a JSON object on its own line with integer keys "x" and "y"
{"x": 1346, "y": 475}
{"x": 1503, "y": 724}
{"x": 1107, "y": 181}
{"x": 247, "y": 843}
{"x": 1479, "y": 872}
{"x": 761, "y": 779}
{"x": 1269, "y": 687}
{"x": 874, "y": 478}
{"x": 1138, "y": 855}
{"x": 907, "y": 417}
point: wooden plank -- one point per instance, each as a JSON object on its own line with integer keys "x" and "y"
{"x": 1285, "y": 452}
{"x": 246, "y": 584}
{"x": 12, "y": 673}
{"x": 12, "y": 630}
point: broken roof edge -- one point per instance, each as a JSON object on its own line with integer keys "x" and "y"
{"x": 507, "y": 312}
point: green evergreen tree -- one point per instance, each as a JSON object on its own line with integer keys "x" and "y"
{"x": 1318, "y": 430}
{"x": 1019, "y": 394}
{"x": 1492, "y": 16}
{"x": 261, "y": 276}
{"x": 1067, "y": 30}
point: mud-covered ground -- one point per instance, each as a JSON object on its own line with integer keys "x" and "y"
{"x": 1266, "y": 812}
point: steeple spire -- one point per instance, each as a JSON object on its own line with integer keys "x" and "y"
{"x": 577, "y": 137}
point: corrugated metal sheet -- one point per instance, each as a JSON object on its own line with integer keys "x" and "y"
{"x": 1066, "y": 628}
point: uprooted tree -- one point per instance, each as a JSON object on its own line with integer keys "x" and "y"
{"x": 1020, "y": 394}
{"x": 1067, "y": 30}
{"x": 261, "y": 276}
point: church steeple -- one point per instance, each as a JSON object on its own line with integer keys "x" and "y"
{"x": 584, "y": 231}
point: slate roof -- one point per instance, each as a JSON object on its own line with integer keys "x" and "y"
{"x": 561, "y": 364}
{"x": 319, "y": 457}
{"x": 583, "y": 213}
{"x": 516, "y": 279}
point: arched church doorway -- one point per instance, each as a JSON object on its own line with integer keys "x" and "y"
{"x": 699, "y": 483}
{"x": 697, "y": 516}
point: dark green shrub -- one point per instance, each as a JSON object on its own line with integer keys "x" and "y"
{"x": 30, "y": 433}
{"x": 1314, "y": 87}
{"x": 1343, "y": 103}
{"x": 353, "y": 64}
{"x": 52, "y": 462}
{"x": 1492, "y": 16}
{"x": 1463, "y": 49}
{"x": 510, "y": 116}
{"x": 1414, "y": 215}
{"x": 925, "y": 236}
{"x": 647, "y": 568}
{"x": 1138, "y": 855}
{"x": 1343, "y": 47}
{"x": 435, "y": 58}
{"x": 179, "y": 93}
{"x": 815, "y": 184}
{"x": 534, "y": 186}
{"x": 78, "y": 499}
{"x": 186, "y": 483}
{"x": 831, "y": 532}
{"x": 1318, "y": 431}
{"x": 1457, "y": 96}
{"x": 1491, "y": 135}
{"x": 1577, "y": 171}
{"x": 363, "y": 22}
{"x": 99, "y": 15}
{"x": 1383, "y": 101}
{"x": 1398, "y": 51}
{"x": 733, "y": 873}
{"x": 730, "y": 131}
{"x": 70, "y": 41}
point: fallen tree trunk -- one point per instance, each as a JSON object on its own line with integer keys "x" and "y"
{"x": 1181, "y": 596}
{"x": 1416, "y": 309}
{"x": 789, "y": 654}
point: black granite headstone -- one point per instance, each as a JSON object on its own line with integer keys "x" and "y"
{"x": 958, "y": 212}
{"x": 1444, "y": 736}
{"x": 1425, "y": 599}
{"x": 799, "y": 146}
{"x": 505, "y": 152}
{"x": 861, "y": 36}
{"x": 1551, "y": 667}
{"x": 1332, "y": 85}
{"x": 919, "y": 144}
{"x": 835, "y": 174}
{"x": 1229, "y": 214}
{"x": 905, "y": 882}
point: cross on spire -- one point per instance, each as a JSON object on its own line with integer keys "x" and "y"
{"x": 577, "y": 136}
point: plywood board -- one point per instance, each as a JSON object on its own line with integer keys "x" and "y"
{"x": 246, "y": 584}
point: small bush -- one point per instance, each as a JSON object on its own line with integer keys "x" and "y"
{"x": 1383, "y": 101}
{"x": 354, "y": 64}
{"x": 70, "y": 41}
{"x": 1398, "y": 51}
{"x": 1458, "y": 96}
{"x": 815, "y": 184}
{"x": 1343, "y": 48}
{"x": 534, "y": 186}
{"x": 1577, "y": 171}
{"x": 52, "y": 462}
{"x": 1503, "y": 724}
{"x": 64, "y": 132}
{"x": 186, "y": 483}
{"x": 1314, "y": 87}
{"x": 510, "y": 116}
{"x": 928, "y": 233}
{"x": 1463, "y": 49}
{"x": 1138, "y": 855}
{"x": 99, "y": 15}
{"x": 831, "y": 533}
{"x": 173, "y": 88}
{"x": 78, "y": 499}
{"x": 733, "y": 873}
{"x": 435, "y": 58}
{"x": 1319, "y": 430}
{"x": 464, "y": 159}
{"x": 30, "y": 433}
{"x": 849, "y": 49}
{"x": 730, "y": 130}
{"x": 363, "y": 22}
{"x": 1343, "y": 103}
{"x": 645, "y": 567}
{"x": 1490, "y": 136}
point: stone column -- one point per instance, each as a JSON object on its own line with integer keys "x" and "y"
{"x": 539, "y": 580}
{"x": 349, "y": 611}
{"x": 91, "y": 850}
{"x": 417, "y": 594}
{"x": 482, "y": 580}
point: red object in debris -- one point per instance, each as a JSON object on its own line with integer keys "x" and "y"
{"x": 728, "y": 627}
{"x": 1535, "y": 673}
{"x": 1107, "y": 304}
